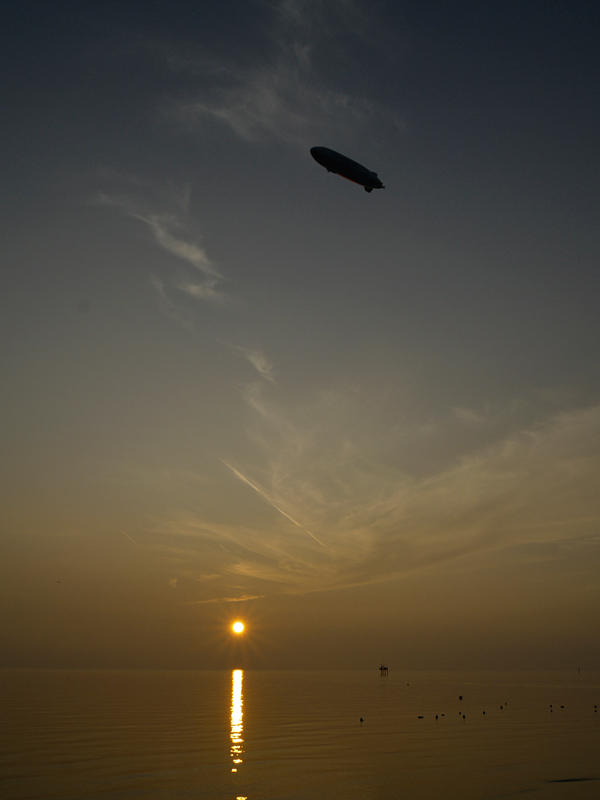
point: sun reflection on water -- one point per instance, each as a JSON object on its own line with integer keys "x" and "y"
{"x": 237, "y": 727}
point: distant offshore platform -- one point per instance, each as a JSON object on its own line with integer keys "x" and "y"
{"x": 383, "y": 669}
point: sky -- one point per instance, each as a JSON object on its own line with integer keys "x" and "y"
{"x": 236, "y": 386}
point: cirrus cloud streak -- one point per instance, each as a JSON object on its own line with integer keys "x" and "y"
{"x": 538, "y": 484}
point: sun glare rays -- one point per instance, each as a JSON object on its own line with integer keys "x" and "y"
{"x": 236, "y": 637}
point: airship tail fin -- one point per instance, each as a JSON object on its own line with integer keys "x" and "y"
{"x": 368, "y": 188}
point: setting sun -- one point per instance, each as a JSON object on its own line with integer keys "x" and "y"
{"x": 238, "y": 627}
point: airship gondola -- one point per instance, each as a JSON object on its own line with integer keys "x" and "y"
{"x": 346, "y": 167}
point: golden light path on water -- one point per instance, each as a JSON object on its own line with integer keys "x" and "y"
{"x": 237, "y": 727}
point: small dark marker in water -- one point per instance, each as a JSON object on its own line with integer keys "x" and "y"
{"x": 420, "y": 717}
{"x": 436, "y": 716}
{"x": 562, "y": 706}
{"x": 464, "y": 716}
{"x": 460, "y": 696}
{"x": 361, "y": 720}
{"x": 484, "y": 712}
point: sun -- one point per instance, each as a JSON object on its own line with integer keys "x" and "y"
{"x": 238, "y": 627}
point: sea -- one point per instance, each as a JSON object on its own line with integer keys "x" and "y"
{"x": 290, "y": 735}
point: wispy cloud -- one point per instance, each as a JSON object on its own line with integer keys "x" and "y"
{"x": 241, "y": 599}
{"x": 188, "y": 269}
{"x": 275, "y": 506}
{"x": 169, "y": 229}
{"x": 259, "y": 360}
{"x": 169, "y": 308}
{"x": 536, "y": 484}
{"x": 284, "y": 99}
{"x": 190, "y": 252}
{"x": 275, "y": 103}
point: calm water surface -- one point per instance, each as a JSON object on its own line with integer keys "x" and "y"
{"x": 73, "y": 734}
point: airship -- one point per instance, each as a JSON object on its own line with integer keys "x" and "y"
{"x": 344, "y": 166}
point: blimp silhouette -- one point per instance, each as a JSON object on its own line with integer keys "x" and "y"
{"x": 344, "y": 166}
